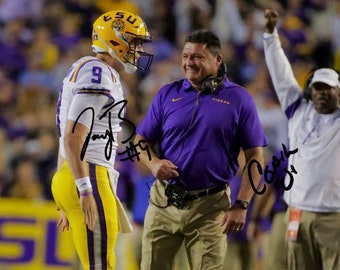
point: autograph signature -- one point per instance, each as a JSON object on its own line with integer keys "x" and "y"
{"x": 270, "y": 174}
{"x": 131, "y": 150}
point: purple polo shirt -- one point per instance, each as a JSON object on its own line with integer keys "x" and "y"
{"x": 202, "y": 133}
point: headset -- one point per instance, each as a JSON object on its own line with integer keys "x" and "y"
{"x": 211, "y": 83}
{"x": 307, "y": 91}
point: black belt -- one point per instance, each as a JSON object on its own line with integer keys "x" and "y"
{"x": 178, "y": 196}
{"x": 209, "y": 191}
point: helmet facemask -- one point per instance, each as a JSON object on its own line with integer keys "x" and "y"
{"x": 144, "y": 59}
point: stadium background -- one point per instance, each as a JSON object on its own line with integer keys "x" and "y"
{"x": 39, "y": 39}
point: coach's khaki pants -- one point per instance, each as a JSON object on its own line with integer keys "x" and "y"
{"x": 198, "y": 225}
{"x": 318, "y": 243}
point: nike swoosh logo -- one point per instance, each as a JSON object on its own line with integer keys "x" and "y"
{"x": 176, "y": 99}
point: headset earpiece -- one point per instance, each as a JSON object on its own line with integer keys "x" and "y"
{"x": 307, "y": 91}
{"x": 211, "y": 83}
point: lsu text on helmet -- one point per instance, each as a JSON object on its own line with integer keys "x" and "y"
{"x": 120, "y": 33}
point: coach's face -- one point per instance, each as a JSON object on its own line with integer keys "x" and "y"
{"x": 198, "y": 63}
{"x": 326, "y": 99}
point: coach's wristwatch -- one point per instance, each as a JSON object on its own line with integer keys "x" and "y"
{"x": 241, "y": 204}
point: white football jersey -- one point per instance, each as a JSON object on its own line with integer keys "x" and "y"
{"x": 91, "y": 76}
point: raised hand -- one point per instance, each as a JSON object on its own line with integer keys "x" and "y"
{"x": 271, "y": 18}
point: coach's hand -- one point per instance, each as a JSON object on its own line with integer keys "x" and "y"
{"x": 271, "y": 18}
{"x": 234, "y": 220}
{"x": 164, "y": 169}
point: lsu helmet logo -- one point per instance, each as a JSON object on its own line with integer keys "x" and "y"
{"x": 118, "y": 24}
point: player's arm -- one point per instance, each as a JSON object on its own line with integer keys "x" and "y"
{"x": 84, "y": 108}
{"x": 74, "y": 139}
{"x": 60, "y": 160}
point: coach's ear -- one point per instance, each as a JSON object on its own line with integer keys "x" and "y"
{"x": 307, "y": 89}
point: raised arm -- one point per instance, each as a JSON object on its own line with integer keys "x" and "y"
{"x": 281, "y": 73}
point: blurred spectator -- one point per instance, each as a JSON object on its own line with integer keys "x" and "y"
{"x": 298, "y": 8}
{"x": 25, "y": 183}
{"x": 68, "y": 34}
{"x": 125, "y": 191}
{"x": 107, "y": 5}
{"x": 325, "y": 24}
{"x": 5, "y": 155}
{"x": 25, "y": 9}
{"x": 239, "y": 22}
{"x": 8, "y": 97}
{"x": 250, "y": 66}
{"x": 30, "y": 132}
{"x": 229, "y": 56}
{"x": 39, "y": 39}
{"x": 142, "y": 179}
{"x": 161, "y": 48}
{"x": 53, "y": 13}
{"x": 191, "y": 15}
{"x": 274, "y": 123}
{"x": 60, "y": 69}
{"x": 33, "y": 110}
{"x": 45, "y": 154}
{"x": 14, "y": 38}
{"x": 163, "y": 71}
{"x": 165, "y": 19}
{"x": 43, "y": 49}
{"x": 87, "y": 12}
{"x": 297, "y": 38}
{"x": 42, "y": 56}
{"x": 335, "y": 26}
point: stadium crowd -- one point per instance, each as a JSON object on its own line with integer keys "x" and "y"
{"x": 39, "y": 39}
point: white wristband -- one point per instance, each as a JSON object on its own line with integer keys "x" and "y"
{"x": 83, "y": 184}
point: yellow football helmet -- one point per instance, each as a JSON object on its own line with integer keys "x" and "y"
{"x": 119, "y": 33}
